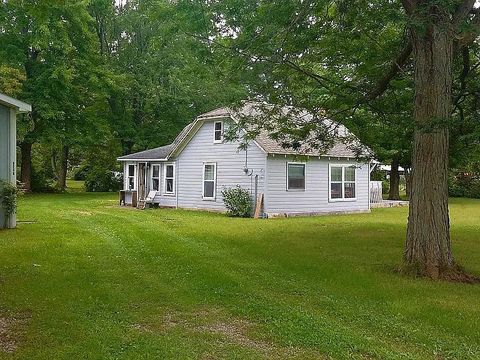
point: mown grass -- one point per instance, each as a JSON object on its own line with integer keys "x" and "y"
{"x": 91, "y": 280}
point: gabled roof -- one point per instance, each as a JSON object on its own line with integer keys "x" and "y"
{"x": 341, "y": 149}
{"x": 14, "y": 103}
{"x": 349, "y": 148}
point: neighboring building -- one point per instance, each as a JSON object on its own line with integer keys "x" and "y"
{"x": 192, "y": 171}
{"x": 9, "y": 107}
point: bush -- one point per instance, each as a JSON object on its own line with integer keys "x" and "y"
{"x": 80, "y": 174}
{"x": 99, "y": 180}
{"x": 8, "y": 197}
{"x": 464, "y": 184}
{"x": 237, "y": 201}
{"x": 41, "y": 181}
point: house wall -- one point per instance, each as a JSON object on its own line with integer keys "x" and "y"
{"x": 315, "y": 197}
{"x": 162, "y": 198}
{"x": 230, "y": 168}
{"x": 7, "y": 153}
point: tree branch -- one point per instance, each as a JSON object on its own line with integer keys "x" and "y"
{"x": 468, "y": 37}
{"x": 409, "y": 6}
{"x": 462, "y": 12}
{"x": 463, "y": 77}
{"x": 395, "y": 67}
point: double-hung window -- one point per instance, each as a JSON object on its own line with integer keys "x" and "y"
{"x": 342, "y": 182}
{"x": 218, "y": 131}
{"x": 131, "y": 177}
{"x": 209, "y": 181}
{"x": 295, "y": 176}
{"x": 169, "y": 179}
{"x": 156, "y": 177}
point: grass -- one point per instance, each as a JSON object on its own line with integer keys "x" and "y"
{"x": 90, "y": 280}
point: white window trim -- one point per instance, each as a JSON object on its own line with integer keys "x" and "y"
{"x": 152, "y": 177}
{"x": 165, "y": 192}
{"x": 214, "y": 181}
{"x": 129, "y": 176}
{"x": 342, "y": 199}
{"x": 221, "y": 132}
{"x": 305, "y": 167}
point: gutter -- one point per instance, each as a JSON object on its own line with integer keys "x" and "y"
{"x": 141, "y": 160}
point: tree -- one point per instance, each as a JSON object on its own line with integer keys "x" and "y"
{"x": 434, "y": 28}
{"x": 51, "y": 45}
{"x": 337, "y": 56}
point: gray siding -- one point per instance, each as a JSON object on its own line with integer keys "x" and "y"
{"x": 315, "y": 198}
{"x": 4, "y": 143}
{"x": 230, "y": 169}
{"x": 7, "y": 154}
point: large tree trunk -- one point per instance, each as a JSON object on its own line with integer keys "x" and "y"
{"x": 62, "y": 174}
{"x": 394, "y": 191}
{"x": 26, "y": 166}
{"x": 428, "y": 231}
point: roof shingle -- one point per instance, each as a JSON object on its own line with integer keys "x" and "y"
{"x": 350, "y": 148}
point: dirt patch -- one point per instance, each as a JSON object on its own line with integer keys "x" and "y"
{"x": 83, "y": 213}
{"x": 10, "y": 334}
{"x": 227, "y": 331}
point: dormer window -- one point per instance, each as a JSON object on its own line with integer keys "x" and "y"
{"x": 218, "y": 131}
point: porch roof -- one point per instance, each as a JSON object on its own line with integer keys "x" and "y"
{"x": 161, "y": 154}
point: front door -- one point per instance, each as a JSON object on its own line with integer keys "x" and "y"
{"x": 141, "y": 181}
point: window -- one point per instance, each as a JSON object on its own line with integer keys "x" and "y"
{"x": 209, "y": 180}
{"x": 218, "y": 131}
{"x": 295, "y": 176}
{"x": 156, "y": 177}
{"x": 169, "y": 179}
{"x": 131, "y": 177}
{"x": 342, "y": 182}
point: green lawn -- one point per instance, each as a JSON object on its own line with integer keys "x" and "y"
{"x": 90, "y": 280}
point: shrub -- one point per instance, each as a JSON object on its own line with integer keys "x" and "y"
{"x": 8, "y": 196}
{"x": 464, "y": 184}
{"x": 100, "y": 180}
{"x": 80, "y": 173}
{"x": 237, "y": 201}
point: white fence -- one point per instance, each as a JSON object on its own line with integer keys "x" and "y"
{"x": 376, "y": 192}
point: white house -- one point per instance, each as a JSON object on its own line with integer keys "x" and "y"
{"x": 9, "y": 107}
{"x": 192, "y": 171}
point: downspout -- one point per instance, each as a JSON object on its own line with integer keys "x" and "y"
{"x": 369, "y": 182}
{"x": 177, "y": 166}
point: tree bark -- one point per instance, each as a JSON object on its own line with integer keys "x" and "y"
{"x": 408, "y": 180}
{"x": 62, "y": 174}
{"x": 428, "y": 231}
{"x": 26, "y": 165}
{"x": 394, "y": 191}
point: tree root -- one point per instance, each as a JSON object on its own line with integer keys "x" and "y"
{"x": 454, "y": 273}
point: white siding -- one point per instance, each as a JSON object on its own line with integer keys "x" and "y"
{"x": 161, "y": 198}
{"x": 314, "y": 199}
{"x": 230, "y": 169}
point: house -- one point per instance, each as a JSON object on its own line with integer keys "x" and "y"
{"x": 192, "y": 171}
{"x": 9, "y": 108}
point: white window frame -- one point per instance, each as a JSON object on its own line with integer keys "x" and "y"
{"x": 127, "y": 187}
{"x": 214, "y": 181}
{"x": 215, "y": 141}
{"x": 305, "y": 171}
{"x": 165, "y": 192}
{"x": 343, "y": 198}
{"x": 154, "y": 177}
